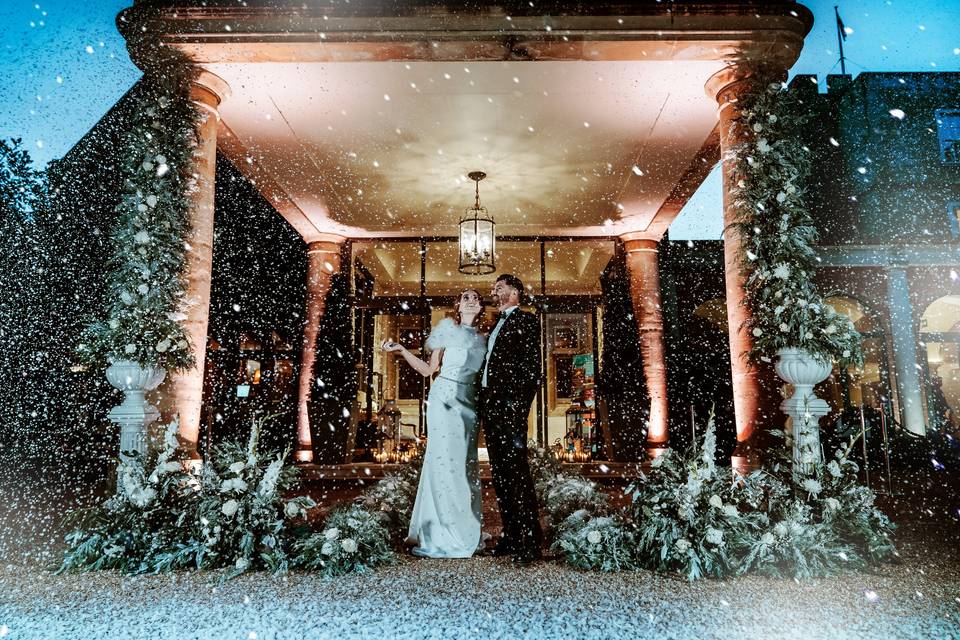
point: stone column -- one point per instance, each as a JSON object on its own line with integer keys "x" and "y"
{"x": 323, "y": 261}
{"x": 184, "y": 391}
{"x": 643, "y": 268}
{"x": 725, "y": 86}
{"x": 904, "y": 351}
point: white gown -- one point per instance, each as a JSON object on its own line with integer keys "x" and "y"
{"x": 446, "y": 514}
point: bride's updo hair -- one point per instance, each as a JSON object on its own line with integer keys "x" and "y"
{"x": 479, "y": 322}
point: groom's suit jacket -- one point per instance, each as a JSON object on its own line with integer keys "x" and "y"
{"x": 513, "y": 370}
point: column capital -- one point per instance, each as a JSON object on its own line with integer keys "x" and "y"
{"x": 326, "y": 243}
{"x": 726, "y": 85}
{"x": 208, "y": 90}
{"x": 633, "y": 242}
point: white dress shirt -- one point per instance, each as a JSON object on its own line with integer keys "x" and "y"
{"x": 492, "y": 339}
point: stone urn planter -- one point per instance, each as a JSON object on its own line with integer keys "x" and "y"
{"x": 134, "y": 414}
{"x": 804, "y": 370}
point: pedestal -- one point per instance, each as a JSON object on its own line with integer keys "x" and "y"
{"x": 804, "y": 371}
{"x": 134, "y": 414}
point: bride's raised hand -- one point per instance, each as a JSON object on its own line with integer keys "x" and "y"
{"x": 390, "y": 346}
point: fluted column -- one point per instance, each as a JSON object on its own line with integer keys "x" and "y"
{"x": 748, "y": 395}
{"x": 905, "y": 351}
{"x": 644, "y": 270}
{"x": 323, "y": 261}
{"x": 183, "y": 392}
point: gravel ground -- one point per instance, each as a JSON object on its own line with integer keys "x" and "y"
{"x": 487, "y": 598}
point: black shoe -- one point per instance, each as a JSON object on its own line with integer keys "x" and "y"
{"x": 525, "y": 558}
{"x": 500, "y": 551}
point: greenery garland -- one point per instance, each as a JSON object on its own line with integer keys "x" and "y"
{"x": 777, "y": 233}
{"x": 145, "y": 287}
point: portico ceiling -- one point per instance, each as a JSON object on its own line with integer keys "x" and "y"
{"x": 365, "y": 125}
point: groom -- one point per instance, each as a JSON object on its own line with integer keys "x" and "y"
{"x": 509, "y": 381}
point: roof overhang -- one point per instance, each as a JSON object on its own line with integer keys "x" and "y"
{"x": 362, "y": 121}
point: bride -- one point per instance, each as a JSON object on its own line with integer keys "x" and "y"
{"x": 446, "y": 514}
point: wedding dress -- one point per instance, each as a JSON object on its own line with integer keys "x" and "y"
{"x": 446, "y": 513}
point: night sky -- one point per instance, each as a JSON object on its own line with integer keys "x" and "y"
{"x": 64, "y": 64}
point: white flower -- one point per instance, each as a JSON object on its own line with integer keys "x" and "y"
{"x": 142, "y": 237}
{"x": 780, "y": 529}
{"x": 784, "y": 327}
{"x": 781, "y": 196}
{"x": 170, "y": 467}
{"x": 230, "y": 507}
{"x": 147, "y": 166}
{"x": 808, "y": 335}
{"x": 332, "y": 533}
{"x": 751, "y": 255}
{"x": 114, "y": 323}
{"x": 327, "y": 548}
{"x": 682, "y": 545}
{"x": 771, "y": 118}
{"x": 291, "y": 509}
{"x": 349, "y": 545}
{"x": 130, "y": 348}
{"x": 143, "y": 289}
{"x": 791, "y": 189}
{"x": 763, "y": 146}
{"x": 730, "y": 511}
{"x": 233, "y": 484}
{"x": 757, "y": 127}
{"x": 715, "y": 501}
{"x": 162, "y": 170}
{"x": 161, "y": 159}
{"x": 758, "y": 332}
{"x": 151, "y": 201}
{"x": 594, "y": 537}
{"x": 714, "y": 536}
{"x": 834, "y": 468}
{"x": 833, "y": 504}
{"x": 351, "y": 522}
{"x": 846, "y": 353}
{"x": 767, "y": 538}
{"x": 782, "y": 271}
{"x": 126, "y": 297}
{"x": 237, "y": 467}
{"x": 812, "y": 486}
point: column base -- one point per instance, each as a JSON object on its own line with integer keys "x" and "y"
{"x": 655, "y": 449}
{"x": 745, "y": 459}
{"x": 303, "y": 455}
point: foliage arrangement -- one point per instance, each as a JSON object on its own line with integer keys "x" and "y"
{"x": 141, "y": 521}
{"x": 777, "y": 234}
{"x": 687, "y": 514}
{"x": 821, "y": 523}
{"x": 354, "y": 540}
{"x": 233, "y": 515}
{"x": 148, "y": 261}
{"x": 693, "y": 517}
{"x": 241, "y": 519}
{"x": 163, "y": 517}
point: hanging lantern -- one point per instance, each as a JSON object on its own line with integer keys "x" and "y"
{"x": 477, "y": 235}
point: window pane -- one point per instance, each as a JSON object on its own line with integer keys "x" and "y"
{"x": 443, "y": 278}
{"x": 390, "y": 268}
{"x": 574, "y": 268}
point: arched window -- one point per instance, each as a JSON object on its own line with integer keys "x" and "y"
{"x": 940, "y": 338}
{"x": 852, "y": 386}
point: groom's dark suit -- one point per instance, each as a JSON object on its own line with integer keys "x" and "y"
{"x": 512, "y": 378}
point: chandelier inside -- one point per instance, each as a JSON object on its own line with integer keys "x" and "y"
{"x": 477, "y": 235}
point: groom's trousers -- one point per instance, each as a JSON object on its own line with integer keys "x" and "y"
{"x": 505, "y": 429}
